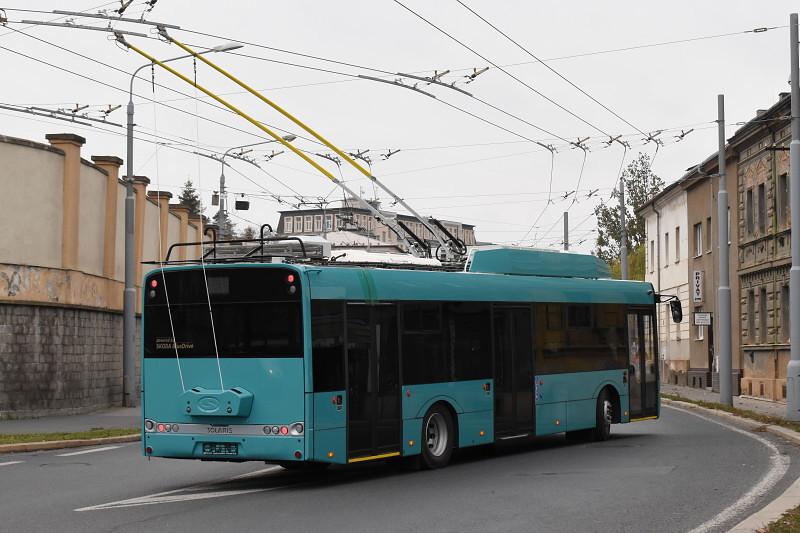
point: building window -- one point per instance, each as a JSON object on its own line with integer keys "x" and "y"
{"x": 748, "y": 212}
{"x": 698, "y": 239}
{"x": 317, "y": 223}
{"x": 666, "y": 250}
{"x": 298, "y": 224}
{"x": 309, "y": 223}
{"x": 709, "y": 238}
{"x": 762, "y": 315}
{"x": 785, "y": 305}
{"x": 783, "y": 199}
{"x": 328, "y": 222}
{"x": 751, "y": 315}
{"x": 677, "y": 244}
{"x": 288, "y": 224}
{"x": 652, "y": 255}
{"x": 762, "y": 209}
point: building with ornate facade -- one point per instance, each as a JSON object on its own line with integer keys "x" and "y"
{"x": 757, "y": 168}
{"x": 764, "y": 253}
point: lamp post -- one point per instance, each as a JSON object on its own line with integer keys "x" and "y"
{"x": 222, "y": 214}
{"x": 129, "y": 294}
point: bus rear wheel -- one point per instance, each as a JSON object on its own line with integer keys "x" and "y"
{"x": 438, "y": 437}
{"x": 604, "y": 417}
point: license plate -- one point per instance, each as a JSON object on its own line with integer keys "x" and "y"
{"x": 220, "y": 448}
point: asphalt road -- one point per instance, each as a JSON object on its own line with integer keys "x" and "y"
{"x": 676, "y": 474}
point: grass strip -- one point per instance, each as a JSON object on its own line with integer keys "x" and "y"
{"x": 94, "y": 433}
{"x": 788, "y": 523}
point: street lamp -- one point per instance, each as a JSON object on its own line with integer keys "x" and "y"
{"x": 222, "y": 216}
{"x": 129, "y": 294}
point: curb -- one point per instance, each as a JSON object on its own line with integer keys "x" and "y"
{"x": 774, "y": 509}
{"x": 60, "y": 444}
{"x": 787, "y": 434}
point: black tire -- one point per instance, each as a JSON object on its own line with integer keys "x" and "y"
{"x": 604, "y": 417}
{"x": 438, "y": 437}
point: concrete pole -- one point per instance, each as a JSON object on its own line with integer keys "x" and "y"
{"x": 223, "y": 215}
{"x": 724, "y": 290}
{"x": 566, "y": 230}
{"x": 623, "y": 241}
{"x": 129, "y": 396}
{"x": 793, "y": 368}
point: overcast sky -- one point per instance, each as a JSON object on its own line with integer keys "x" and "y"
{"x": 450, "y": 164}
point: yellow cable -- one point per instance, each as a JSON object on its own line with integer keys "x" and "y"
{"x": 275, "y": 106}
{"x": 233, "y": 108}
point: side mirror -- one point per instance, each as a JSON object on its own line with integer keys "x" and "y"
{"x": 677, "y": 311}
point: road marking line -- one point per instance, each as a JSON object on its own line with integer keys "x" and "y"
{"x": 9, "y": 463}
{"x": 171, "y": 497}
{"x": 779, "y": 464}
{"x": 93, "y": 450}
{"x": 257, "y": 472}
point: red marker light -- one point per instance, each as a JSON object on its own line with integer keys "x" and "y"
{"x": 154, "y": 283}
{"x": 290, "y": 278}
{"x": 298, "y": 454}
{"x": 284, "y": 430}
{"x": 161, "y": 428}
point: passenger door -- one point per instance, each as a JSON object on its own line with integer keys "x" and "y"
{"x": 513, "y": 374}
{"x": 643, "y": 365}
{"x": 373, "y": 403}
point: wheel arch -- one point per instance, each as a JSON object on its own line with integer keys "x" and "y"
{"x": 451, "y": 404}
{"x": 615, "y": 399}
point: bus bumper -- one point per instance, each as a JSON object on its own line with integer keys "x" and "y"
{"x": 225, "y": 447}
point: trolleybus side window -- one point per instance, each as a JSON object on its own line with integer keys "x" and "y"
{"x": 580, "y": 338}
{"x": 470, "y": 332}
{"x": 424, "y": 344}
{"x": 327, "y": 342}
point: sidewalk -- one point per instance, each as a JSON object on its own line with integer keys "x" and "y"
{"x": 763, "y": 407}
{"x": 116, "y": 418}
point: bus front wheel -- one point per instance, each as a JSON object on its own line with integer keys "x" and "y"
{"x": 438, "y": 437}
{"x": 604, "y": 417}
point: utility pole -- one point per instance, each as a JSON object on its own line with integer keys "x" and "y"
{"x": 793, "y": 368}
{"x": 623, "y": 243}
{"x": 724, "y": 290}
{"x": 129, "y": 396}
{"x": 566, "y": 230}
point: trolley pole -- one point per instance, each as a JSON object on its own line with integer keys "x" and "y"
{"x": 724, "y": 289}
{"x": 129, "y": 396}
{"x": 566, "y": 230}
{"x": 623, "y": 241}
{"x": 793, "y": 368}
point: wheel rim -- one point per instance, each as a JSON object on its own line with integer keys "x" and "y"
{"x": 436, "y": 434}
{"x": 608, "y": 412}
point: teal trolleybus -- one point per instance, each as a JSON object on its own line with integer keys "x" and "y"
{"x": 300, "y": 363}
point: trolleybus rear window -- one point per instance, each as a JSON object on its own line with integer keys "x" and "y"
{"x": 256, "y": 313}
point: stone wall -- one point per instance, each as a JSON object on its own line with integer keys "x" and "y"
{"x": 59, "y": 360}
